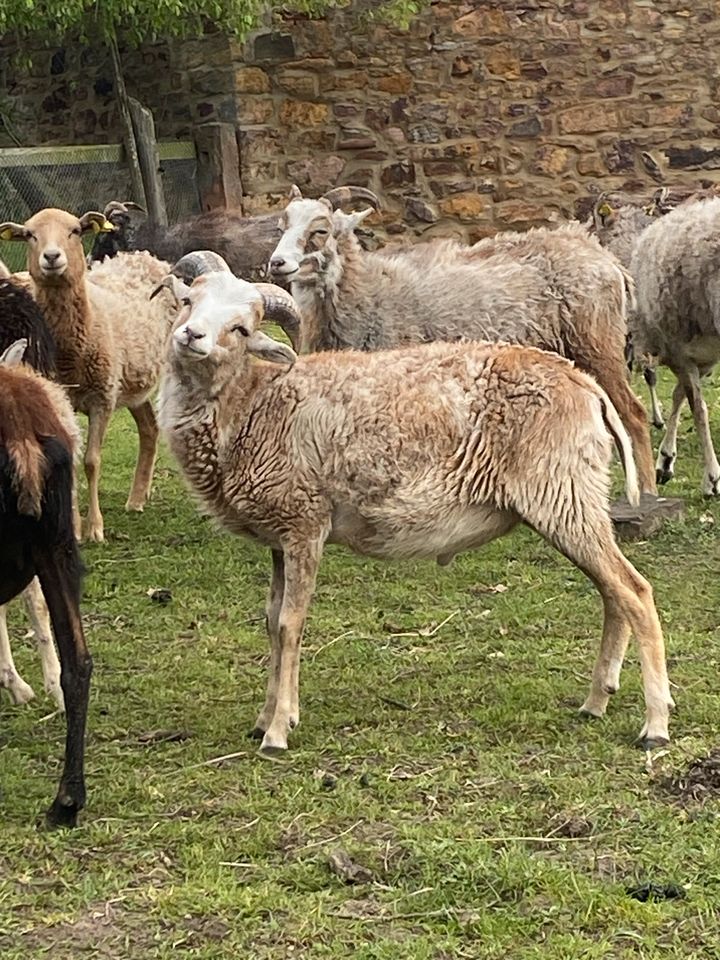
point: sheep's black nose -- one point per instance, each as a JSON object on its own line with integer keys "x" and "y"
{"x": 277, "y": 262}
{"x": 51, "y": 256}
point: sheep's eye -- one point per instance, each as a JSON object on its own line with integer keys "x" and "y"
{"x": 242, "y": 330}
{"x": 185, "y": 301}
{"x": 320, "y": 232}
{"x": 31, "y": 236}
{"x": 75, "y": 232}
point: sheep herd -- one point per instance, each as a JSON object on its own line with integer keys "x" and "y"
{"x": 434, "y": 397}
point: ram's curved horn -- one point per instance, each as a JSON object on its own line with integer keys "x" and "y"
{"x": 340, "y": 195}
{"x": 280, "y": 307}
{"x": 197, "y": 263}
{"x": 121, "y": 206}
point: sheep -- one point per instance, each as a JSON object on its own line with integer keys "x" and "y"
{"x": 110, "y": 340}
{"x": 557, "y": 290}
{"x": 38, "y": 436}
{"x": 678, "y": 318}
{"x": 424, "y": 451}
{"x": 244, "y": 242}
{"x": 22, "y": 321}
{"x": 108, "y": 243}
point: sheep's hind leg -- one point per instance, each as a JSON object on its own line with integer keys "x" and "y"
{"x": 10, "y": 679}
{"x": 98, "y": 420}
{"x": 60, "y": 581}
{"x": 301, "y": 565}
{"x": 581, "y": 529}
{"x": 606, "y": 672}
{"x": 272, "y": 619}
{"x": 40, "y": 620}
{"x": 667, "y": 454}
{"x": 144, "y": 417}
{"x": 711, "y": 478}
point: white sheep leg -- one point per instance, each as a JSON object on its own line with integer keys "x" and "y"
{"x": 10, "y": 679}
{"x": 40, "y": 620}
{"x": 272, "y": 613}
{"x": 98, "y": 420}
{"x": 667, "y": 454}
{"x": 301, "y": 566}
{"x": 711, "y": 478}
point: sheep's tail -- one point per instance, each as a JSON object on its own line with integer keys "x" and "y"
{"x": 28, "y": 461}
{"x": 621, "y": 437}
{"x": 629, "y": 303}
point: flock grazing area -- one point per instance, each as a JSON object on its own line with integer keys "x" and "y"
{"x": 441, "y": 797}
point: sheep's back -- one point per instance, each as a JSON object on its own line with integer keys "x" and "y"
{"x": 676, "y": 266}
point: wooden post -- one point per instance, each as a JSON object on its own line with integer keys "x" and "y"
{"x": 218, "y": 161}
{"x": 144, "y": 130}
{"x": 136, "y": 180}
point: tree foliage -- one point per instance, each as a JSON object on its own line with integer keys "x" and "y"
{"x": 146, "y": 20}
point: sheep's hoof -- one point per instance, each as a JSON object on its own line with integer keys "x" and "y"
{"x": 257, "y": 733}
{"x": 659, "y": 424}
{"x": 272, "y": 752}
{"x": 62, "y": 813}
{"x": 134, "y": 507}
{"x": 94, "y": 535}
{"x": 665, "y": 470}
{"x": 711, "y": 488}
{"x": 591, "y": 713}
{"x": 54, "y": 690}
{"x": 20, "y": 692}
{"x": 652, "y": 743}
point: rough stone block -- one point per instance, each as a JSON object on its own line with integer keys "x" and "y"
{"x": 639, "y": 523}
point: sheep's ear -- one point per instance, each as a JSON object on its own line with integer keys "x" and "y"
{"x": 175, "y": 285}
{"x": 347, "y": 222}
{"x": 295, "y": 193}
{"x": 260, "y": 345}
{"x": 13, "y": 231}
{"x": 95, "y": 221}
{"x": 14, "y": 354}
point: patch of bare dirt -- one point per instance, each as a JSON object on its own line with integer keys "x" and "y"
{"x": 698, "y": 783}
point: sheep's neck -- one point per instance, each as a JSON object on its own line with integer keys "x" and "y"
{"x": 67, "y": 313}
{"x": 202, "y": 415}
{"x": 326, "y": 324}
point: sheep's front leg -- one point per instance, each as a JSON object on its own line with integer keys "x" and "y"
{"x": 711, "y": 478}
{"x": 656, "y": 414}
{"x": 272, "y": 620}
{"x": 301, "y": 563}
{"x": 667, "y": 455}
{"x": 98, "y": 420}
{"x": 10, "y": 679}
{"x": 40, "y": 620}
{"x": 144, "y": 417}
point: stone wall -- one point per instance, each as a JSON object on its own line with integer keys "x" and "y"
{"x": 486, "y": 114}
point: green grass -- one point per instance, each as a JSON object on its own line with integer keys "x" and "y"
{"x": 494, "y": 822}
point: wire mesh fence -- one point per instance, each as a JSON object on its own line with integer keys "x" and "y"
{"x": 85, "y": 178}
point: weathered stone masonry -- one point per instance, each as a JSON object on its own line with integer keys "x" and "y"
{"x": 484, "y": 115}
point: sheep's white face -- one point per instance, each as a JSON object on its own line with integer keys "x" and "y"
{"x": 307, "y": 227}
{"x": 218, "y": 313}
